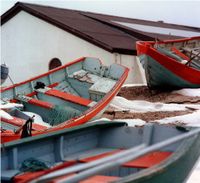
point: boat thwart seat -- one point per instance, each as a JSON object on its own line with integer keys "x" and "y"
{"x": 17, "y": 122}
{"x": 67, "y": 96}
{"x": 34, "y": 101}
{"x": 145, "y": 161}
{"x": 148, "y": 160}
{"x": 100, "y": 179}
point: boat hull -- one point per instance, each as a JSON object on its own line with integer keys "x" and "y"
{"x": 159, "y": 77}
{"x": 166, "y": 70}
{"x": 89, "y": 142}
{"x": 67, "y": 96}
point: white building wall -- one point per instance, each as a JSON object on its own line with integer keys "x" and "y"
{"x": 29, "y": 43}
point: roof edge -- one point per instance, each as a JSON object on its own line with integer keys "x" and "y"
{"x": 22, "y": 7}
{"x": 22, "y": 4}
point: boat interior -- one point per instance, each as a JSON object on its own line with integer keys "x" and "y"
{"x": 186, "y": 52}
{"x": 67, "y": 92}
{"x": 86, "y": 144}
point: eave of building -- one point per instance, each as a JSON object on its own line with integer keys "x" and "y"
{"x": 104, "y": 21}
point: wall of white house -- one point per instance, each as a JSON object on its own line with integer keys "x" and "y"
{"x": 29, "y": 43}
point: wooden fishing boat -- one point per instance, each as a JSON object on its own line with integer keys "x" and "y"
{"x": 70, "y": 95}
{"x": 103, "y": 151}
{"x": 171, "y": 64}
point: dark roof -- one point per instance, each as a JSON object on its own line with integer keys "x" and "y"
{"x": 96, "y": 28}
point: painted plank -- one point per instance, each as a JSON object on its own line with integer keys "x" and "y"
{"x": 69, "y": 97}
{"x": 148, "y": 160}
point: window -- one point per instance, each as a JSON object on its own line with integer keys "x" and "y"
{"x": 55, "y": 62}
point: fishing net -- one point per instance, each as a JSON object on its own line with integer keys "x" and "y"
{"x": 32, "y": 165}
{"x": 61, "y": 113}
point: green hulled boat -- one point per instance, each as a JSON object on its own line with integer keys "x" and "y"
{"x": 106, "y": 151}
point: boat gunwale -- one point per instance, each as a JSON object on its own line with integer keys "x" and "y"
{"x": 100, "y": 124}
{"x": 44, "y": 74}
{"x": 81, "y": 59}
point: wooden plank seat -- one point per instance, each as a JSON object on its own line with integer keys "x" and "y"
{"x": 36, "y": 102}
{"x": 19, "y": 122}
{"x": 145, "y": 161}
{"x": 28, "y": 175}
{"x": 100, "y": 179}
{"x": 148, "y": 160}
{"x": 67, "y": 96}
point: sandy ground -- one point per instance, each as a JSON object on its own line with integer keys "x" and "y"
{"x": 143, "y": 93}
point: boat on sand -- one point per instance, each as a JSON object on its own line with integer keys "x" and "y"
{"x": 67, "y": 96}
{"x": 171, "y": 64}
{"x": 106, "y": 151}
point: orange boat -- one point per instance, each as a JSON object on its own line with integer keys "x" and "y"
{"x": 67, "y": 96}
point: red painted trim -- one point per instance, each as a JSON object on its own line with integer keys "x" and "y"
{"x": 8, "y": 136}
{"x": 19, "y": 122}
{"x": 53, "y": 85}
{"x": 91, "y": 112}
{"x": 185, "y": 72}
{"x": 68, "y": 97}
{"x": 148, "y": 160}
{"x": 41, "y": 103}
{"x": 31, "y": 94}
{"x": 15, "y": 121}
{"x": 100, "y": 179}
{"x": 14, "y": 100}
